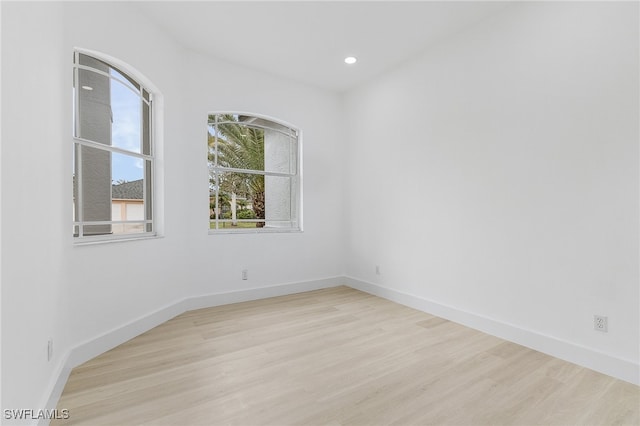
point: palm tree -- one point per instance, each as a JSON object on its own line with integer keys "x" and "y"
{"x": 240, "y": 147}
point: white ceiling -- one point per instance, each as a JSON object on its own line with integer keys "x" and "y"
{"x": 307, "y": 41}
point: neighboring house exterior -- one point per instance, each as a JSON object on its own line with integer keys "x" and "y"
{"x": 127, "y": 204}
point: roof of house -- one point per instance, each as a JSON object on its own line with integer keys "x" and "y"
{"x": 133, "y": 190}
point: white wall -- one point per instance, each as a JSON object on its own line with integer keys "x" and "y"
{"x": 270, "y": 258}
{"x": 32, "y": 165}
{"x": 497, "y": 174}
{"x": 76, "y": 294}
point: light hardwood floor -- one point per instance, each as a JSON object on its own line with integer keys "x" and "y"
{"x": 335, "y": 357}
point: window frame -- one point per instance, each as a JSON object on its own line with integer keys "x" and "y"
{"x": 295, "y": 176}
{"x": 147, "y": 95}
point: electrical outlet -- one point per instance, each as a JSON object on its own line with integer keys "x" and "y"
{"x": 245, "y": 274}
{"x": 600, "y": 323}
{"x": 49, "y": 349}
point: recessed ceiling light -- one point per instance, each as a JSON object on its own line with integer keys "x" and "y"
{"x": 350, "y": 60}
{"x": 87, "y": 87}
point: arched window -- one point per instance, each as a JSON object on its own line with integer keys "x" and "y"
{"x": 113, "y": 152}
{"x": 254, "y": 174}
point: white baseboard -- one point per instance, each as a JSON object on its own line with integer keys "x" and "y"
{"x": 56, "y": 388}
{"x": 622, "y": 369}
{"x": 257, "y": 293}
{"x": 109, "y": 340}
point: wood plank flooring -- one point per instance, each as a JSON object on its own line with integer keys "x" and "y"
{"x": 335, "y": 357}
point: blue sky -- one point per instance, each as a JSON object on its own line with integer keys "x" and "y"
{"x": 125, "y": 105}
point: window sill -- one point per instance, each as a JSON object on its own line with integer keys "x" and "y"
{"x": 255, "y": 231}
{"x": 89, "y": 241}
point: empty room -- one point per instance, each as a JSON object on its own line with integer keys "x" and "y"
{"x": 320, "y": 212}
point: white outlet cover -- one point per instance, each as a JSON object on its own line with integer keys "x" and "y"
{"x": 600, "y": 323}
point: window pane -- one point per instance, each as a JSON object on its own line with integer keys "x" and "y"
{"x": 94, "y": 107}
{"x": 127, "y": 117}
{"x": 93, "y": 63}
{"x": 238, "y": 224}
{"x": 128, "y": 228}
{"x": 95, "y": 187}
{"x": 111, "y": 113}
{"x": 127, "y": 168}
{"x": 127, "y": 194}
{"x": 251, "y": 143}
{"x": 240, "y": 192}
{"x": 112, "y": 189}
{"x": 279, "y": 152}
{"x": 88, "y": 230}
{"x": 76, "y": 202}
{"x": 146, "y": 129}
{"x": 125, "y": 79}
{"x": 277, "y": 199}
{"x": 238, "y": 146}
{"x": 148, "y": 191}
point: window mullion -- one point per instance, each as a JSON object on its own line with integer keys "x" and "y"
{"x": 79, "y": 199}
{"x": 111, "y": 148}
{"x": 252, "y": 172}
{"x": 257, "y": 126}
{"x": 217, "y": 208}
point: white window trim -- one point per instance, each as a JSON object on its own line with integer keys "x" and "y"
{"x": 298, "y": 174}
